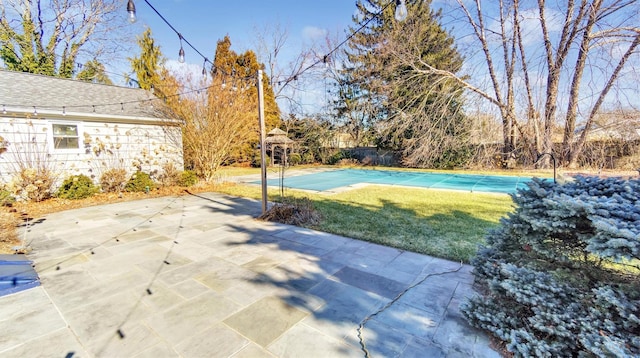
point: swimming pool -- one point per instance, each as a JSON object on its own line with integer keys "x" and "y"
{"x": 330, "y": 180}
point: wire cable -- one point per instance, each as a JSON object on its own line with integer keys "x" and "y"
{"x": 215, "y": 70}
{"x": 91, "y": 250}
{"x": 148, "y": 292}
{"x": 360, "y": 329}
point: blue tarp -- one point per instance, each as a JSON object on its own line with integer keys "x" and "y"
{"x": 16, "y": 274}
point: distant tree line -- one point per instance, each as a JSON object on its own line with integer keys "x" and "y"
{"x": 548, "y": 70}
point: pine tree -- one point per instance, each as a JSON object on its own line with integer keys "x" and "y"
{"x": 422, "y": 114}
{"x": 237, "y": 68}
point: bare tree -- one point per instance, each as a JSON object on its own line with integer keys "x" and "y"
{"x": 286, "y": 78}
{"x": 587, "y": 45}
{"x": 47, "y": 37}
{"x": 217, "y": 121}
{"x": 415, "y": 112}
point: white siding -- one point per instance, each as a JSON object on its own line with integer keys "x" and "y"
{"x": 102, "y": 146}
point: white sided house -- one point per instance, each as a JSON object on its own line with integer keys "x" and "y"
{"x": 71, "y": 127}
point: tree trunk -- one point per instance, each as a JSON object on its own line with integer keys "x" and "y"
{"x": 577, "y": 148}
{"x": 570, "y": 119}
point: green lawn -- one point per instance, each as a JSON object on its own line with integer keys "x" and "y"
{"x": 445, "y": 224}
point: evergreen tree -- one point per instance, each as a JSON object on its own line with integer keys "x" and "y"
{"x": 240, "y": 68}
{"x": 560, "y": 276}
{"x": 47, "y": 37}
{"x": 420, "y": 115}
{"x": 148, "y": 65}
{"x": 237, "y": 72}
{"x": 93, "y": 71}
{"x": 311, "y": 135}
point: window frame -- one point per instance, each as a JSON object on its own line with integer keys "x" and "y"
{"x": 52, "y": 137}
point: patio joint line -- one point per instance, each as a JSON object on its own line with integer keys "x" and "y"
{"x": 363, "y": 346}
{"x": 64, "y": 319}
{"x": 100, "y": 244}
{"x": 148, "y": 291}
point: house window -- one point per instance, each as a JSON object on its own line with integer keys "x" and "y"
{"x": 66, "y": 136}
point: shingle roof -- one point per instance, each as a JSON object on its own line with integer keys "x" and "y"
{"x": 26, "y": 90}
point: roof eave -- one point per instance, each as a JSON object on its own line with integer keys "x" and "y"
{"x": 87, "y": 117}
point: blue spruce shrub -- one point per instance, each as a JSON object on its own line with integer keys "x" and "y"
{"x": 561, "y": 275}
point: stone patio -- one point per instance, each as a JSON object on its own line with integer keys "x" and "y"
{"x": 198, "y": 276}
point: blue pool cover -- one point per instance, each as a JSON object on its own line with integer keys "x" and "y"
{"x": 326, "y": 181}
{"x": 16, "y": 274}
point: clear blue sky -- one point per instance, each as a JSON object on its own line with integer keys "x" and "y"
{"x": 204, "y": 22}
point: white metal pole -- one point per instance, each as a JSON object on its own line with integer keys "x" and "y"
{"x": 263, "y": 149}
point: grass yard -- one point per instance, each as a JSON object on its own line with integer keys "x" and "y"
{"x": 446, "y": 224}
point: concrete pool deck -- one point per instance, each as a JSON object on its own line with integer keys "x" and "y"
{"x": 198, "y": 276}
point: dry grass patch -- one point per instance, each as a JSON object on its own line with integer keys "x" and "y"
{"x": 298, "y": 212}
{"x": 8, "y": 223}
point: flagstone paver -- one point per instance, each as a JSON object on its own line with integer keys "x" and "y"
{"x": 197, "y": 275}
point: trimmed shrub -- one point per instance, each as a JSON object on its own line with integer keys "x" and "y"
{"x": 77, "y": 187}
{"x": 256, "y": 161}
{"x": 295, "y": 159}
{"x": 188, "y": 178}
{"x": 113, "y": 180}
{"x": 140, "y": 182}
{"x": 453, "y": 158}
{"x": 560, "y": 276}
{"x": 336, "y": 157}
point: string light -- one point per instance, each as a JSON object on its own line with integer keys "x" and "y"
{"x": 401, "y": 10}
{"x": 400, "y": 15}
{"x": 131, "y": 9}
{"x": 181, "y": 52}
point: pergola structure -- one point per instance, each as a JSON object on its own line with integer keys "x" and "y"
{"x": 279, "y": 145}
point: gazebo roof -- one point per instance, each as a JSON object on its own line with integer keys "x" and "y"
{"x": 278, "y": 136}
{"x": 276, "y": 132}
{"x": 278, "y": 140}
